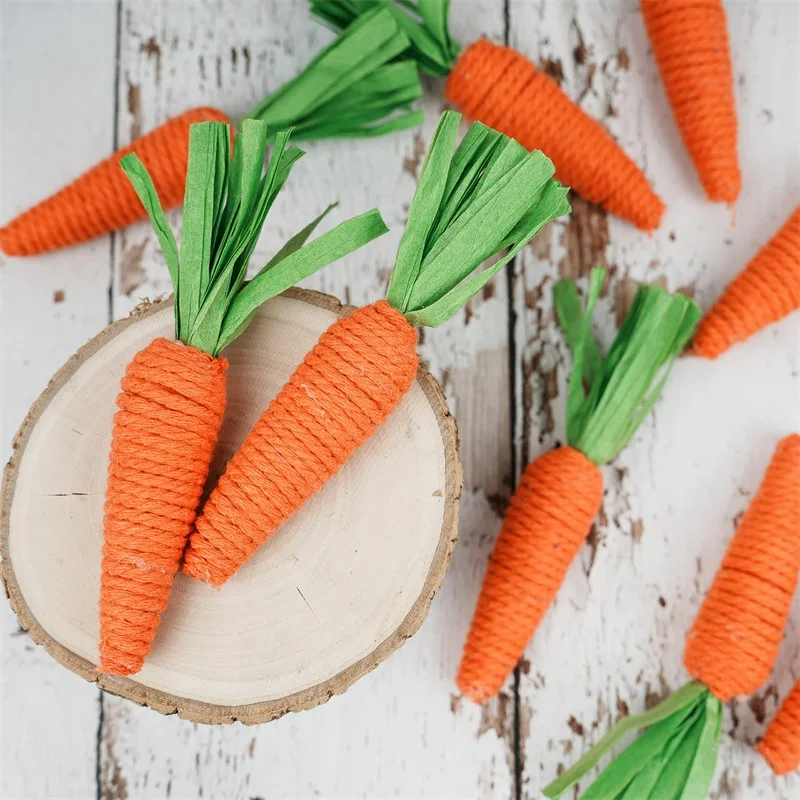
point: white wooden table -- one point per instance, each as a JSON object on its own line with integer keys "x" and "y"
{"x": 80, "y": 77}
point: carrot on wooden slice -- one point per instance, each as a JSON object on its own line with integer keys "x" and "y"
{"x": 730, "y": 651}
{"x": 766, "y": 291}
{"x": 559, "y": 493}
{"x": 355, "y": 87}
{"x": 488, "y": 196}
{"x": 173, "y": 392}
{"x": 690, "y": 43}
{"x": 781, "y": 744}
{"x": 501, "y": 88}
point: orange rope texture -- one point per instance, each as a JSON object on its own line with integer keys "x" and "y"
{"x": 545, "y": 526}
{"x": 345, "y": 388}
{"x": 501, "y": 88}
{"x": 781, "y": 744}
{"x": 690, "y": 43}
{"x": 767, "y": 290}
{"x": 169, "y": 418}
{"x": 735, "y": 638}
{"x": 102, "y": 199}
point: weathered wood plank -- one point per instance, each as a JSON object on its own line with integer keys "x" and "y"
{"x": 401, "y": 731}
{"x": 613, "y": 641}
{"x": 57, "y": 68}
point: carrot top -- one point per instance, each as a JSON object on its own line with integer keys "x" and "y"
{"x": 424, "y": 23}
{"x": 354, "y": 87}
{"x": 488, "y": 196}
{"x": 674, "y": 758}
{"x": 226, "y": 204}
{"x": 609, "y": 397}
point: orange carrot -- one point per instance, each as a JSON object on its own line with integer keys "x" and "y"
{"x": 501, "y": 88}
{"x": 362, "y": 366}
{"x": 767, "y": 290}
{"x": 173, "y": 392}
{"x": 690, "y": 42}
{"x": 735, "y": 637}
{"x": 354, "y": 87}
{"x": 781, "y": 744}
{"x": 730, "y": 650}
{"x": 102, "y": 200}
{"x": 560, "y": 492}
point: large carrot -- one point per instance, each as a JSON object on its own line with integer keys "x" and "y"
{"x": 501, "y": 88}
{"x": 690, "y": 43}
{"x": 767, "y": 290}
{"x": 173, "y": 392}
{"x": 354, "y": 87}
{"x": 730, "y": 651}
{"x": 490, "y": 195}
{"x": 781, "y": 744}
{"x": 560, "y": 492}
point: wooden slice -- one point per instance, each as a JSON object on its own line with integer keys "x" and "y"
{"x": 331, "y": 595}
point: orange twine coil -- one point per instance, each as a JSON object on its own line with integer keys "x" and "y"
{"x": 164, "y": 435}
{"x": 501, "y": 88}
{"x": 735, "y": 637}
{"x": 781, "y": 744}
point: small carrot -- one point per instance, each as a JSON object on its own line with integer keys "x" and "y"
{"x": 491, "y": 194}
{"x": 730, "y": 651}
{"x": 173, "y": 392}
{"x": 559, "y": 493}
{"x": 501, "y": 88}
{"x": 781, "y": 744}
{"x": 690, "y": 43}
{"x": 767, "y": 290}
{"x": 354, "y": 87}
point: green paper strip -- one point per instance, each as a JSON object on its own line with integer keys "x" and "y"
{"x": 682, "y": 700}
{"x": 570, "y": 317}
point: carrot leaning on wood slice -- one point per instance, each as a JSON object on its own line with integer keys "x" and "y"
{"x": 355, "y": 87}
{"x": 489, "y": 196}
{"x": 730, "y": 651}
{"x": 781, "y": 744}
{"x": 764, "y": 292}
{"x": 559, "y": 493}
{"x": 173, "y": 391}
{"x": 690, "y": 44}
{"x": 501, "y": 88}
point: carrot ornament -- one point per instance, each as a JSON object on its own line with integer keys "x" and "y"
{"x": 766, "y": 291}
{"x": 501, "y": 88}
{"x": 488, "y": 196}
{"x": 173, "y": 392}
{"x": 559, "y": 494}
{"x": 354, "y": 87}
{"x": 690, "y": 43}
{"x": 781, "y": 745}
{"x": 730, "y": 651}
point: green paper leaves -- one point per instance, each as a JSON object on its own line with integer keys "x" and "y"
{"x": 225, "y": 207}
{"x": 602, "y": 419}
{"x": 673, "y": 760}
{"x": 489, "y": 197}
{"x": 353, "y": 88}
{"x": 423, "y": 22}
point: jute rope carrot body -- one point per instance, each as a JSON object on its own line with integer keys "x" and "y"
{"x": 735, "y": 637}
{"x": 345, "y": 388}
{"x": 170, "y": 413}
{"x": 690, "y": 43}
{"x": 489, "y": 195}
{"x": 545, "y": 526}
{"x": 173, "y": 392}
{"x": 102, "y": 200}
{"x": 501, "y": 88}
{"x": 781, "y": 744}
{"x": 767, "y": 290}
{"x": 730, "y": 650}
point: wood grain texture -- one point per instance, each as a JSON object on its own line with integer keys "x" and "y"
{"x": 613, "y": 642}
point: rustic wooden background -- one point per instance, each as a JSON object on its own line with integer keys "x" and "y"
{"x": 81, "y": 77}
